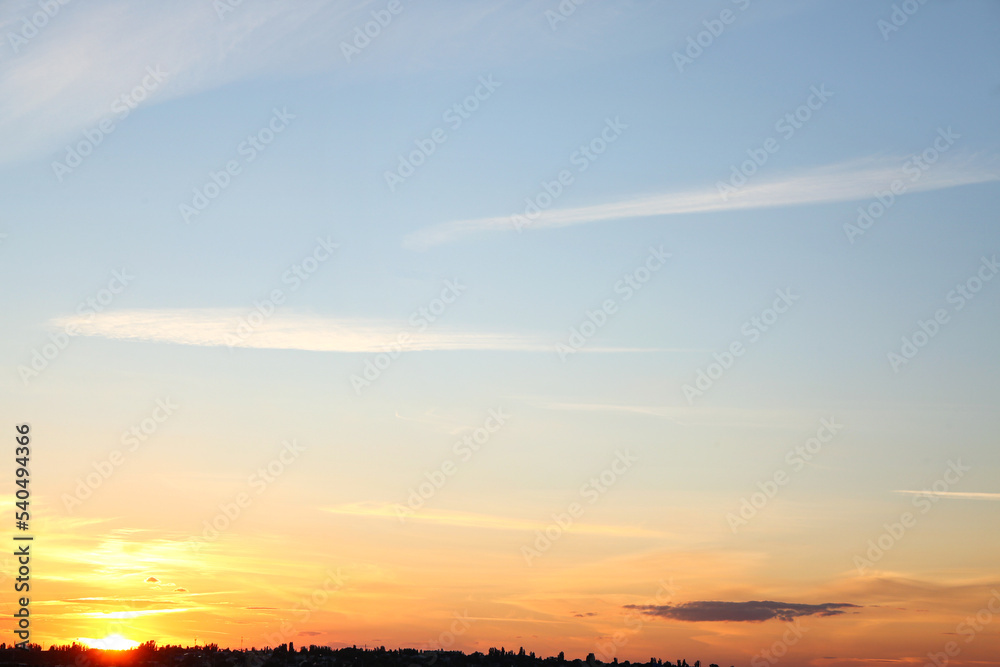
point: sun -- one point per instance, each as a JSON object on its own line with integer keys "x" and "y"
{"x": 110, "y": 643}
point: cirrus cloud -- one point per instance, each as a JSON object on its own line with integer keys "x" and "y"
{"x": 852, "y": 180}
{"x": 221, "y": 327}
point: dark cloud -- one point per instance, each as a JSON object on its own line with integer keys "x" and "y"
{"x": 586, "y": 614}
{"x": 152, "y": 580}
{"x": 309, "y": 633}
{"x": 714, "y": 610}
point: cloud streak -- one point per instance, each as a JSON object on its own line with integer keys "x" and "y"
{"x": 484, "y": 521}
{"x": 213, "y": 327}
{"x": 64, "y": 79}
{"x": 753, "y": 612}
{"x": 964, "y": 495}
{"x": 846, "y": 181}
{"x": 216, "y": 327}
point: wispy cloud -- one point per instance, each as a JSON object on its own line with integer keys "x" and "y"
{"x": 65, "y": 78}
{"x": 214, "y": 327}
{"x": 485, "y": 521}
{"x": 131, "y": 613}
{"x": 683, "y": 414}
{"x": 220, "y": 327}
{"x": 965, "y": 495}
{"x": 664, "y": 412}
{"x": 846, "y": 181}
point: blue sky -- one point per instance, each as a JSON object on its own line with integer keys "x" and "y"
{"x": 887, "y": 97}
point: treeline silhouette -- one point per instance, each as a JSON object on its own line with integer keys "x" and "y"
{"x": 287, "y": 655}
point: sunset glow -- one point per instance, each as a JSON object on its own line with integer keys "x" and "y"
{"x": 631, "y": 328}
{"x": 109, "y": 643}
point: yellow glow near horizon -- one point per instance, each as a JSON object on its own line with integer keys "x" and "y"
{"x": 110, "y": 643}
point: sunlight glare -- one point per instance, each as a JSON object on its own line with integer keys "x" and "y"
{"x": 110, "y": 643}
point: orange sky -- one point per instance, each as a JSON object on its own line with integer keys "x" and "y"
{"x": 375, "y": 583}
{"x": 642, "y": 329}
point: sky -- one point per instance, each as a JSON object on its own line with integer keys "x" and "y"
{"x": 631, "y": 328}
